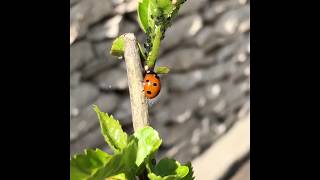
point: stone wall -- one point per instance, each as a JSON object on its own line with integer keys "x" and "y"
{"x": 207, "y": 90}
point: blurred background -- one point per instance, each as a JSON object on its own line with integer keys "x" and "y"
{"x": 203, "y": 110}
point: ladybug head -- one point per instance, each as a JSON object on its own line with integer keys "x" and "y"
{"x": 149, "y": 72}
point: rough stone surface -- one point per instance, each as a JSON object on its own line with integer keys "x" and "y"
{"x": 187, "y": 81}
{"x": 84, "y": 94}
{"x": 108, "y": 102}
{"x": 88, "y": 12}
{"x": 208, "y": 39}
{"x": 109, "y": 29}
{"x": 183, "y": 28}
{"x": 107, "y": 80}
{"x": 80, "y": 54}
{"x": 75, "y": 79}
{"x": 96, "y": 67}
{"x": 74, "y": 111}
{"x": 87, "y": 119}
{"x": 230, "y": 22}
{"x": 184, "y": 59}
{"x": 81, "y": 124}
{"x": 172, "y": 136}
{"x": 181, "y": 108}
{"x": 128, "y": 26}
{"x": 74, "y": 1}
{"x": 126, "y": 7}
{"x": 123, "y": 113}
{"x": 92, "y": 140}
{"x": 102, "y": 52}
{"x": 219, "y": 7}
{"x": 192, "y": 6}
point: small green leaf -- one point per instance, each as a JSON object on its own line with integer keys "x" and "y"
{"x": 121, "y": 176}
{"x": 189, "y": 176}
{"x": 117, "y": 48}
{"x": 120, "y": 163}
{"x": 84, "y": 165}
{"x": 168, "y": 169}
{"x": 148, "y": 142}
{"x": 166, "y": 7}
{"x": 162, "y": 70}
{"x": 182, "y": 171}
{"x": 142, "y": 52}
{"x": 111, "y": 131}
{"x": 152, "y": 176}
{"x": 143, "y": 14}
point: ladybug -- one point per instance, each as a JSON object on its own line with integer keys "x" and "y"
{"x": 152, "y": 84}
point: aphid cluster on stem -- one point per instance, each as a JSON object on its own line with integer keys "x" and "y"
{"x": 148, "y": 43}
{"x": 160, "y": 19}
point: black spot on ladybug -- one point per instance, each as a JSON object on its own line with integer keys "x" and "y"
{"x": 157, "y": 76}
{"x": 155, "y": 84}
{"x": 147, "y": 80}
{"x": 148, "y": 92}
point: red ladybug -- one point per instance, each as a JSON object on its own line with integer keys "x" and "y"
{"x": 152, "y": 84}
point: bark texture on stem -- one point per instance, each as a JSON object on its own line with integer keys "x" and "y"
{"x": 139, "y": 105}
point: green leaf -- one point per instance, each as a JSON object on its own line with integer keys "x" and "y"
{"x": 189, "y": 176}
{"x": 143, "y": 14}
{"x": 120, "y": 163}
{"x": 117, "y": 48}
{"x": 121, "y": 176}
{"x": 84, "y": 165}
{"x": 162, "y": 70}
{"x": 148, "y": 142}
{"x": 111, "y": 131}
{"x": 166, "y": 7}
{"x": 142, "y": 52}
{"x": 168, "y": 169}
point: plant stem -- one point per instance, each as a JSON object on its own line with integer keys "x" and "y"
{"x": 155, "y": 48}
{"x": 139, "y": 106}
